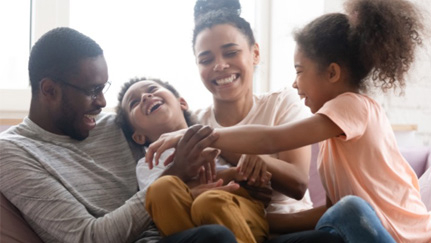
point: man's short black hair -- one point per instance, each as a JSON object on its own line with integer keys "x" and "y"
{"x": 56, "y": 55}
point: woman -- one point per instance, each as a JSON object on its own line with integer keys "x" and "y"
{"x": 226, "y": 55}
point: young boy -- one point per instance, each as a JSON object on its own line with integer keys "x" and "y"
{"x": 148, "y": 108}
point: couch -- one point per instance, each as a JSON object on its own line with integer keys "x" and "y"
{"x": 13, "y": 227}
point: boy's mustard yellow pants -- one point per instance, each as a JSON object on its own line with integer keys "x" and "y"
{"x": 173, "y": 209}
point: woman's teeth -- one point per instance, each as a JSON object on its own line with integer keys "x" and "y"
{"x": 226, "y": 80}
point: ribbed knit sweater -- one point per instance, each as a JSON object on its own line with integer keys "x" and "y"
{"x": 73, "y": 191}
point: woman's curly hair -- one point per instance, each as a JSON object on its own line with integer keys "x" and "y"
{"x": 209, "y": 13}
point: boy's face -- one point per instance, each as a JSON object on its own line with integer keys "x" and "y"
{"x": 153, "y": 110}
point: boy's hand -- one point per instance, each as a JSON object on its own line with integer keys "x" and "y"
{"x": 218, "y": 185}
{"x": 254, "y": 170}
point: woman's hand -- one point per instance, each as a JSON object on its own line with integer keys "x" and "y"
{"x": 262, "y": 193}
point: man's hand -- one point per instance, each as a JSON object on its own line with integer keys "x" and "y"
{"x": 192, "y": 158}
{"x": 218, "y": 185}
{"x": 207, "y": 172}
{"x": 201, "y": 136}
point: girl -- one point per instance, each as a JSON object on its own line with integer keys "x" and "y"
{"x": 335, "y": 55}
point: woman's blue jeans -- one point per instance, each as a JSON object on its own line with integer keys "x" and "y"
{"x": 354, "y": 220}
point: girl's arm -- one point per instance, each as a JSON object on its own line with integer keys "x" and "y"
{"x": 258, "y": 139}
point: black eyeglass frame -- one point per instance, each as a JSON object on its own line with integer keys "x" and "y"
{"x": 94, "y": 92}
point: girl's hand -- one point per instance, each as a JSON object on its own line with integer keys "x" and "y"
{"x": 200, "y": 135}
{"x": 253, "y": 169}
{"x": 165, "y": 141}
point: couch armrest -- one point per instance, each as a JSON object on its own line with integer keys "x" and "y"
{"x": 13, "y": 227}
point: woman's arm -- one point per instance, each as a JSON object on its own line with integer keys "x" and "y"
{"x": 258, "y": 139}
{"x": 294, "y": 222}
{"x": 290, "y": 171}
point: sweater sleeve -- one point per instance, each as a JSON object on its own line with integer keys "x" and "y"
{"x": 54, "y": 212}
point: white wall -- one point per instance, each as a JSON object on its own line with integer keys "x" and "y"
{"x": 274, "y": 22}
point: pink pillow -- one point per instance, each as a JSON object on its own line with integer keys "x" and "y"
{"x": 315, "y": 187}
{"x": 417, "y": 158}
{"x": 13, "y": 227}
{"x": 425, "y": 187}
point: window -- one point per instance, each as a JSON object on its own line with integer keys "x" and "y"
{"x": 146, "y": 38}
{"x": 150, "y": 38}
{"x": 15, "y": 44}
{"x": 286, "y": 17}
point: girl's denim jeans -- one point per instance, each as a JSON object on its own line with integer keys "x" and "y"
{"x": 354, "y": 220}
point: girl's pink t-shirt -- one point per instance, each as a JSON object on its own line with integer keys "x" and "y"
{"x": 365, "y": 162}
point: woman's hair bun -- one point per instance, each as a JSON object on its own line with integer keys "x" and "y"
{"x": 204, "y": 6}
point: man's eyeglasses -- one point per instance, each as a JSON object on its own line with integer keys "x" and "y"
{"x": 94, "y": 92}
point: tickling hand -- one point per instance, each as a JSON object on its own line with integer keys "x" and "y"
{"x": 191, "y": 154}
{"x": 201, "y": 135}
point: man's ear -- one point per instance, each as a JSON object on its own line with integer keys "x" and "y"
{"x": 183, "y": 104}
{"x": 334, "y": 72}
{"x": 138, "y": 138}
{"x": 49, "y": 89}
{"x": 256, "y": 54}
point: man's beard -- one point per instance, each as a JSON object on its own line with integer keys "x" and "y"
{"x": 67, "y": 119}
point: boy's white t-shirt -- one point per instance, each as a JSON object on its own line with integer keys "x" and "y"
{"x": 271, "y": 109}
{"x": 146, "y": 176}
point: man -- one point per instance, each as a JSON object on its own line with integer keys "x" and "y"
{"x": 73, "y": 180}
